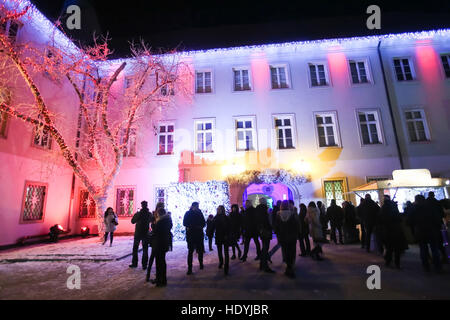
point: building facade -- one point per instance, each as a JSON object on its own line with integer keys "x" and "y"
{"x": 342, "y": 112}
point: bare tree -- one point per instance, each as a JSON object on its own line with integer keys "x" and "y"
{"x": 115, "y": 98}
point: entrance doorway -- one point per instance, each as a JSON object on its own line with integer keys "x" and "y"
{"x": 272, "y": 192}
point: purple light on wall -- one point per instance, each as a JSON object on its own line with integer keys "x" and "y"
{"x": 276, "y": 191}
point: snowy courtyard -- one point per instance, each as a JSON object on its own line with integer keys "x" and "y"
{"x": 40, "y": 272}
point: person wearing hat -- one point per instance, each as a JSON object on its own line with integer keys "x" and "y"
{"x": 142, "y": 220}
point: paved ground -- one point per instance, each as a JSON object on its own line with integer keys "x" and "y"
{"x": 40, "y": 272}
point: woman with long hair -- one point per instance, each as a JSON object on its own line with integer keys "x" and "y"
{"x": 111, "y": 222}
{"x": 303, "y": 236}
{"x": 315, "y": 228}
{"x": 162, "y": 242}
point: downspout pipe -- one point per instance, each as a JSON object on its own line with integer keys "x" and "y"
{"x": 388, "y": 96}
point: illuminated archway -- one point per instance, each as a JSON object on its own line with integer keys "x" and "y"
{"x": 273, "y": 192}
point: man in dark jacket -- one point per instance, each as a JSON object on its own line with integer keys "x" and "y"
{"x": 194, "y": 221}
{"x": 370, "y": 212}
{"x": 250, "y": 230}
{"x": 435, "y": 206}
{"x": 265, "y": 232}
{"x": 392, "y": 234}
{"x": 142, "y": 220}
{"x": 426, "y": 224}
{"x": 335, "y": 215}
{"x": 162, "y": 242}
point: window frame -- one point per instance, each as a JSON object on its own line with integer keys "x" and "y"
{"x": 133, "y": 133}
{"x": 47, "y": 147}
{"x": 116, "y": 190}
{"x": 204, "y": 70}
{"x": 379, "y": 123}
{"x": 442, "y": 64}
{"x": 367, "y": 68}
{"x": 44, "y": 206}
{"x": 337, "y": 135}
{"x": 155, "y": 189}
{"x": 344, "y": 188}
{"x": 8, "y": 28}
{"x": 254, "y": 130}
{"x": 250, "y": 78}
{"x": 424, "y": 120}
{"x": 213, "y": 135}
{"x": 326, "y": 70}
{"x": 287, "y": 74}
{"x": 5, "y": 119}
{"x": 80, "y": 190}
{"x": 411, "y": 66}
{"x": 275, "y": 132}
{"x": 166, "y": 124}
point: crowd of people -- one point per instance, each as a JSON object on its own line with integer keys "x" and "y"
{"x": 380, "y": 228}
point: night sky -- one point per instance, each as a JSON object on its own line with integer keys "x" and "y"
{"x": 217, "y": 23}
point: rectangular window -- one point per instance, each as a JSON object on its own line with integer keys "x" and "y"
{"x": 403, "y": 69}
{"x": 445, "y": 58}
{"x": 245, "y": 133}
{"x": 87, "y": 205}
{"x": 318, "y": 75}
{"x": 3, "y": 123}
{"x": 326, "y": 124}
{"x": 42, "y": 138}
{"x": 167, "y": 90}
{"x": 284, "y": 129}
{"x": 204, "y": 132}
{"x": 369, "y": 125}
{"x": 203, "y": 82}
{"x": 165, "y": 138}
{"x": 128, "y": 82}
{"x": 279, "y": 77}
{"x": 34, "y": 199}
{"x": 129, "y": 150}
{"x": 160, "y": 196}
{"x": 359, "y": 71}
{"x": 241, "y": 79}
{"x": 11, "y": 29}
{"x": 417, "y": 125}
{"x": 125, "y": 201}
{"x": 334, "y": 189}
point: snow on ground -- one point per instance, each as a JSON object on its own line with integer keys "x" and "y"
{"x": 105, "y": 275}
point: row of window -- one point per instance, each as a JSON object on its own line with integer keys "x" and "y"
{"x": 318, "y": 74}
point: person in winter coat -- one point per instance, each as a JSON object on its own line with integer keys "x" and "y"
{"x": 194, "y": 221}
{"x": 111, "y": 221}
{"x": 265, "y": 233}
{"x": 250, "y": 230}
{"x": 360, "y": 219}
{"x": 223, "y": 234}
{"x": 162, "y": 242}
{"x": 210, "y": 231}
{"x": 435, "y": 206}
{"x": 323, "y": 218}
{"x": 349, "y": 225}
{"x": 370, "y": 212}
{"x": 335, "y": 215}
{"x": 315, "y": 229}
{"x": 142, "y": 220}
{"x": 427, "y": 228}
{"x": 286, "y": 226}
{"x": 303, "y": 235}
{"x": 392, "y": 236}
{"x": 150, "y": 238}
{"x": 236, "y": 225}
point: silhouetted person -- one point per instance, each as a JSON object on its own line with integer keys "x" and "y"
{"x": 315, "y": 229}
{"x": 235, "y": 230}
{"x": 360, "y": 218}
{"x": 323, "y": 218}
{"x": 370, "y": 212}
{"x": 250, "y": 230}
{"x": 435, "y": 206}
{"x": 210, "y": 231}
{"x": 286, "y": 226}
{"x": 223, "y": 235}
{"x": 162, "y": 242}
{"x": 265, "y": 233}
{"x": 303, "y": 235}
{"x": 111, "y": 222}
{"x": 335, "y": 215}
{"x": 142, "y": 220}
{"x": 427, "y": 229}
{"x": 150, "y": 239}
{"x": 194, "y": 221}
{"x": 349, "y": 225}
{"x": 393, "y": 236}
